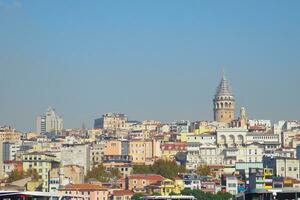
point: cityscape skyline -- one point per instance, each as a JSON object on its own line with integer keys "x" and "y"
{"x": 149, "y": 61}
{"x": 222, "y": 74}
{"x": 149, "y": 100}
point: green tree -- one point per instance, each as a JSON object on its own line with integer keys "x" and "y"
{"x": 142, "y": 169}
{"x": 224, "y": 195}
{"x": 137, "y": 196}
{"x": 173, "y": 194}
{"x": 167, "y": 168}
{"x": 155, "y": 194}
{"x": 200, "y": 195}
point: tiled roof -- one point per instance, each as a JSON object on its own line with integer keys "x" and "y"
{"x": 174, "y": 146}
{"x": 153, "y": 177}
{"x": 12, "y": 162}
{"x": 84, "y": 186}
{"x": 223, "y": 88}
{"x": 122, "y": 192}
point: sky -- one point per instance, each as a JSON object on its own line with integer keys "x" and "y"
{"x": 149, "y": 59}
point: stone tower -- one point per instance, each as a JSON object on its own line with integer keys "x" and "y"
{"x": 243, "y": 118}
{"x": 224, "y": 103}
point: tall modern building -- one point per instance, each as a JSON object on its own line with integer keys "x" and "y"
{"x": 224, "y": 102}
{"x": 49, "y": 123}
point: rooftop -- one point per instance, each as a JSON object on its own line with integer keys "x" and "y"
{"x": 84, "y": 186}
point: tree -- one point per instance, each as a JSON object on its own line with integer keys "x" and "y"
{"x": 203, "y": 170}
{"x": 223, "y": 196}
{"x": 173, "y": 194}
{"x": 98, "y": 173}
{"x": 156, "y": 194}
{"x": 142, "y": 169}
{"x": 167, "y": 168}
{"x": 115, "y": 173}
{"x": 15, "y": 175}
{"x": 137, "y": 196}
{"x": 200, "y": 195}
{"x": 33, "y": 174}
{"x": 102, "y": 174}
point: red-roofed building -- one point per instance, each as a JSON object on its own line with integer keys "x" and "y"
{"x": 122, "y": 194}
{"x": 169, "y": 150}
{"x": 10, "y": 165}
{"x": 88, "y": 191}
{"x": 138, "y": 182}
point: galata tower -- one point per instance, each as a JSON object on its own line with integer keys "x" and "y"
{"x": 224, "y": 103}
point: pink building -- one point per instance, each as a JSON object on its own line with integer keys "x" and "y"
{"x": 88, "y": 191}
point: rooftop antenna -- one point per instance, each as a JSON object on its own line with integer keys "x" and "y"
{"x": 223, "y": 74}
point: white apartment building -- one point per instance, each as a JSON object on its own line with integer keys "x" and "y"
{"x": 250, "y": 153}
{"x": 262, "y": 138}
{"x": 76, "y": 155}
{"x": 203, "y": 155}
{"x": 287, "y": 167}
{"x": 232, "y": 185}
{"x": 260, "y": 122}
{"x": 203, "y": 139}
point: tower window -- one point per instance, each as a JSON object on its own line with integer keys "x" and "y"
{"x": 221, "y": 116}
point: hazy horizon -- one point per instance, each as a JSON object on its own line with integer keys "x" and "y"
{"x": 148, "y": 59}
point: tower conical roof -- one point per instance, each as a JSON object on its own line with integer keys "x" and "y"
{"x": 223, "y": 88}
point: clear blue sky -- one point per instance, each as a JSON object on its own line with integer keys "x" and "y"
{"x": 149, "y": 59}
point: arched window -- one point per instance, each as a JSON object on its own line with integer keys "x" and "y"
{"x": 226, "y": 105}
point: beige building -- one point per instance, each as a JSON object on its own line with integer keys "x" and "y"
{"x": 96, "y": 153}
{"x": 9, "y": 134}
{"x": 42, "y": 163}
{"x": 290, "y": 139}
{"x": 142, "y": 152}
{"x": 113, "y": 147}
{"x": 74, "y": 173}
{"x": 111, "y": 121}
